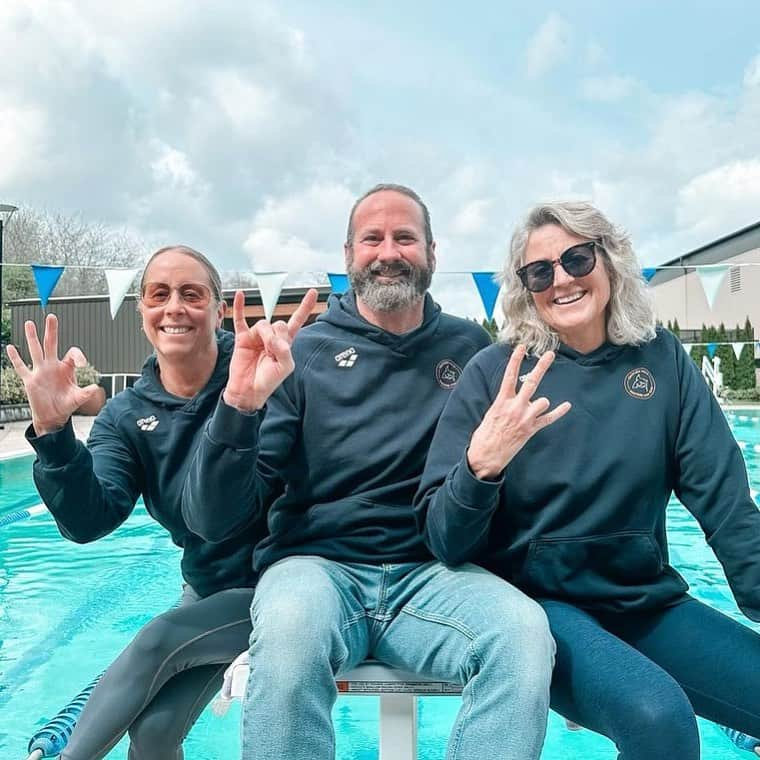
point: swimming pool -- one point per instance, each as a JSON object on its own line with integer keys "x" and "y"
{"x": 67, "y": 610}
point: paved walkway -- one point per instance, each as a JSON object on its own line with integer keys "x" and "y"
{"x": 12, "y": 441}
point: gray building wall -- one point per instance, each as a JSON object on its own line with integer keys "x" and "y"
{"x": 119, "y": 346}
{"x": 111, "y": 346}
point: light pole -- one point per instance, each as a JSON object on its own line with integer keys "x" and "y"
{"x": 6, "y": 212}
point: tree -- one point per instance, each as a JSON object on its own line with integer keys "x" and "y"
{"x": 697, "y": 352}
{"x": 489, "y": 325}
{"x": 85, "y": 247}
{"x": 676, "y": 328}
{"x": 745, "y": 366}
{"x": 727, "y": 357}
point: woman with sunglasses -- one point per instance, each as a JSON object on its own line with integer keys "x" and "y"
{"x": 552, "y": 466}
{"x": 141, "y": 444}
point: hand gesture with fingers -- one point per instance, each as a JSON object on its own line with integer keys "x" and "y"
{"x": 512, "y": 419}
{"x": 262, "y": 359}
{"x": 50, "y": 384}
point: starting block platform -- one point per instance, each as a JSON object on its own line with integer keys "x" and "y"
{"x": 398, "y": 692}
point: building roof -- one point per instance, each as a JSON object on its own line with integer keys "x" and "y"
{"x": 741, "y": 241}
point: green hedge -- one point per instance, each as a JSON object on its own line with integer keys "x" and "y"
{"x": 738, "y": 374}
{"x": 740, "y": 394}
{"x": 12, "y": 388}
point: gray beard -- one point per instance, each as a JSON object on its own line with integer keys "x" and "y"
{"x": 389, "y": 296}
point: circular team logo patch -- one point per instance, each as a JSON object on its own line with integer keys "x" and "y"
{"x": 447, "y": 373}
{"x": 639, "y": 383}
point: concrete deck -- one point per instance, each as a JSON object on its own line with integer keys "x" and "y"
{"x": 13, "y": 443}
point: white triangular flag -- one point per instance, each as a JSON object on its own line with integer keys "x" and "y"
{"x": 711, "y": 279}
{"x": 118, "y": 281}
{"x": 737, "y": 349}
{"x": 687, "y": 347}
{"x": 270, "y": 284}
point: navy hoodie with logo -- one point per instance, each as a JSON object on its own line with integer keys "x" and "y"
{"x": 579, "y": 513}
{"x": 340, "y": 451}
{"x": 141, "y": 444}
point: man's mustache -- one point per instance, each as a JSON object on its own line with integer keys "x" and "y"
{"x": 390, "y": 268}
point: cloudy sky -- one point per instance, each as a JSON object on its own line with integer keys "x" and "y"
{"x": 246, "y": 129}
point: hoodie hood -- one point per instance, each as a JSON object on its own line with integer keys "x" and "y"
{"x": 342, "y": 312}
{"x": 150, "y": 388}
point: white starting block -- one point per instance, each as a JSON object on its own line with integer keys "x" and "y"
{"x": 398, "y": 692}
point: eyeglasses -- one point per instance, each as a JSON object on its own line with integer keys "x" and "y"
{"x": 577, "y": 261}
{"x": 194, "y": 295}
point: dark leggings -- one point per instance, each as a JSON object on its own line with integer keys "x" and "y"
{"x": 159, "y": 685}
{"x": 640, "y": 677}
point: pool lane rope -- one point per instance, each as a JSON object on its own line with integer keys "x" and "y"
{"x": 22, "y": 514}
{"x": 53, "y": 737}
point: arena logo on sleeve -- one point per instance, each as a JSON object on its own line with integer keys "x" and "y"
{"x": 447, "y": 373}
{"x": 148, "y": 423}
{"x": 639, "y": 383}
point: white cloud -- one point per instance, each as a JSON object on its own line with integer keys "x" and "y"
{"x": 608, "y": 89}
{"x": 302, "y": 231}
{"x": 172, "y": 166}
{"x": 548, "y": 47}
{"x": 472, "y": 218}
{"x": 720, "y": 201}
{"x": 23, "y": 137}
{"x": 752, "y": 73}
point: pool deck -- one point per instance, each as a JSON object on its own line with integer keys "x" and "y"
{"x": 13, "y": 443}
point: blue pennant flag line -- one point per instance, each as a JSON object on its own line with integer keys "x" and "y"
{"x": 46, "y": 278}
{"x": 649, "y": 272}
{"x": 488, "y": 289}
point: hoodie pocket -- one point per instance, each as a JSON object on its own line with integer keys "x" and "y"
{"x": 593, "y": 567}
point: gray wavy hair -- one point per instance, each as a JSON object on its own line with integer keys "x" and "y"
{"x": 630, "y": 315}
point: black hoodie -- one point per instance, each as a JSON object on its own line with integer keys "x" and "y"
{"x": 343, "y": 442}
{"x": 141, "y": 444}
{"x": 579, "y": 513}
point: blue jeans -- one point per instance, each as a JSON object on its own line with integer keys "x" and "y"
{"x": 639, "y": 677}
{"x": 314, "y": 619}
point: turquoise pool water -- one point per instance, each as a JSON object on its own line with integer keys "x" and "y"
{"x": 67, "y": 610}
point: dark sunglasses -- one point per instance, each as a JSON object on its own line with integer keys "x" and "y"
{"x": 577, "y": 261}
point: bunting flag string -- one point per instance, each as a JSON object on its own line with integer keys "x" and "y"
{"x": 119, "y": 279}
{"x": 713, "y": 346}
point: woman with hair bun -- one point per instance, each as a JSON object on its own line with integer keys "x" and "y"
{"x": 141, "y": 444}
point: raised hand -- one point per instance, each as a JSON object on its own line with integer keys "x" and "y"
{"x": 261, "y": 359}
{"x": 512, "y": 419}
{"x": 50, "y": 384}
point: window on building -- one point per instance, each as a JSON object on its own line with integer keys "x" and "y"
{"x": 735, "y": 279}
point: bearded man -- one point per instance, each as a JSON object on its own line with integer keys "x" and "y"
{"x": 336, "y": 461}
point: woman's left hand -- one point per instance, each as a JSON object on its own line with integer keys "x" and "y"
{"x": 512, "y": 419}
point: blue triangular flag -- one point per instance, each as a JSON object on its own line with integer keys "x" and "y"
{"x": 338, "y": 282}
{"x": 46, "y": 278}
{"x": 711, "y": 349}
{"x": 488, "y": 289}
{"x": 649, "y": 272}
